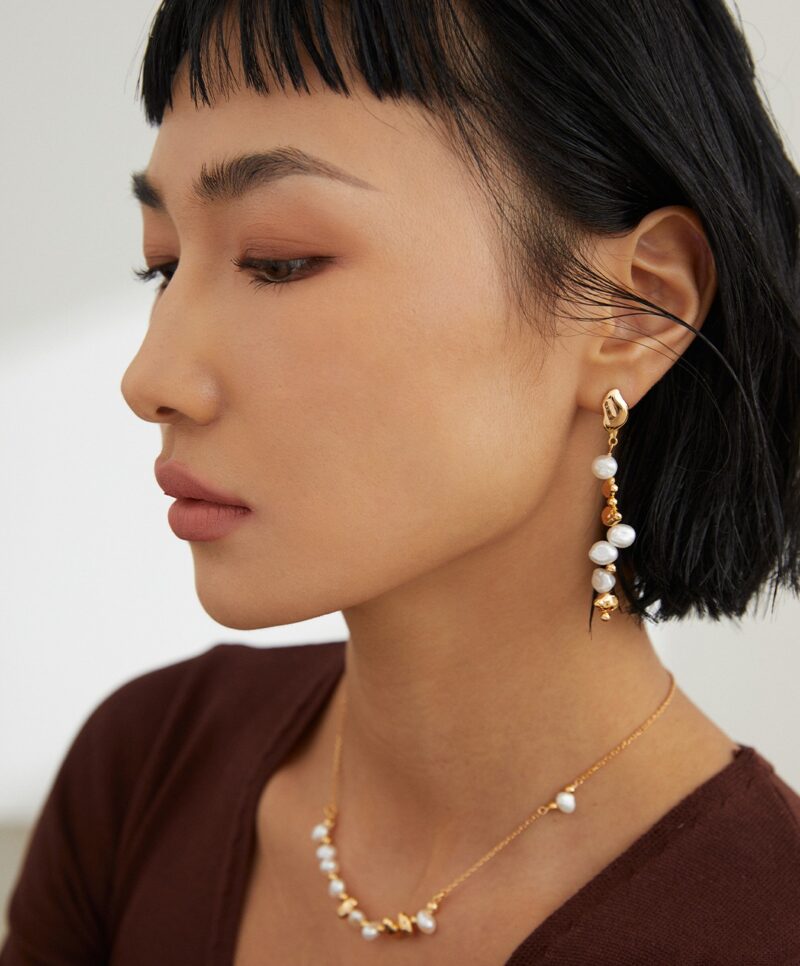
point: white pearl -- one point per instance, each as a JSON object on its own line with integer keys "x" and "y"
{"x": 566, "y": 801}
{"x": 425, "y": 921}
{"x": 336, "y": 887}
{"x": 621, "y": 535}
{"x": 329, "y": 865}
{"x": 356, "y": 916}
{"x": 603, "y": 581}
{"x": 326, "y": 851}
{"x": 319, "y": 832}
{"x": 604, "y": 467}
{"x": 369, "y": 931}
{"x": 603, "y": 552}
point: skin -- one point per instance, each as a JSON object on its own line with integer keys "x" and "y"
{"x": 404, "y": 468}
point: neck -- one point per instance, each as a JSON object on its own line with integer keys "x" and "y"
{"x": 476, "y": 691}
{"x": 471, "y": 700}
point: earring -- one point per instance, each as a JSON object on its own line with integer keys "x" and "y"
{"x": 605, "y": 552}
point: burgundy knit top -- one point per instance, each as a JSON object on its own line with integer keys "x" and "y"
{"x": 140, "y": 855}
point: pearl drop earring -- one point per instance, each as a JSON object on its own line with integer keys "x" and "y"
{"x": 619, "y": 535}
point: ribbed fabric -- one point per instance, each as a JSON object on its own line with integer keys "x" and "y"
{"x": 140, "y": 854}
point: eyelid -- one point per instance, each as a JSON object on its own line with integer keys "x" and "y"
{"x": 244, "y": 263}
{"x": 146, "y": 274}
{"x": 310, "y": 267}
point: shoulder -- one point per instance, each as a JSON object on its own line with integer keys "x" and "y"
{"x": 729, "y": 867}
{"x": 760, "y": 814}
{"x": 771, "y": 817}
{"x": 787, "y": 800}
{"x": 166, "y": 733}
{"x": 234, "y": 663}
{"x": 152, "y": 714}
{"x": 715, "y": 880}
{"x": 196, "y": 703}
{"x": 194, "y": 714}
{"x": 743, "y": 864}
{"x": 223, "y": 678}
{"x": 220, "y": 675}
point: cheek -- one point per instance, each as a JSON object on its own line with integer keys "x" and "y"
{"x": 388, "y": 427}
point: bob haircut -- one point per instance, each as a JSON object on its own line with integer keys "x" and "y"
{"x": 580, "y": 117}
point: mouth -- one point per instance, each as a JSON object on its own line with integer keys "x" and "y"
{"x": 201, "y": 511}
{"x": 202, "y": 520}
{"x": 175, "y": 479}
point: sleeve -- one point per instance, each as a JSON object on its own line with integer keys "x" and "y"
{"x": 58, "y": 909}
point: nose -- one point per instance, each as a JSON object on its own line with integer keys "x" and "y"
{"x": 171, "y": 378}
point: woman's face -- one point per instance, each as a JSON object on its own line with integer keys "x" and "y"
{"x": 373, "y": 412}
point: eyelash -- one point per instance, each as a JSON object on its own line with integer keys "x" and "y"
{"x": 253, "y": 264}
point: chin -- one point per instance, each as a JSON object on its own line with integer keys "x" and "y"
{"x": 234, "y": 606}
{"x": 236, "y": 619}
{"x": 241, "y": 614}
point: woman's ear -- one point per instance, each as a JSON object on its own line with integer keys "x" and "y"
{"x": 666, "y": 259}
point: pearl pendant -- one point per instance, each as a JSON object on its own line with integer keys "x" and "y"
{"x": 621, "y": 535}
{"x": 603, "y": 553}
{"x": 319, "y": 832}
{"x": 326, "y": 851}
{"x": 603, "y": 580}
{"x": 565, "y": 801}
{"x": 368, "y": 931}
{"x": 604, "y": 467}
{"x": 425, "y": 921}
{"x": 336, "y": 887}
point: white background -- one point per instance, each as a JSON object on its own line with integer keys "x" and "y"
{"x": 95, "y": 587}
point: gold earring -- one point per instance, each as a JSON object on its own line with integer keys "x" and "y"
{"x": 605, "y": 552}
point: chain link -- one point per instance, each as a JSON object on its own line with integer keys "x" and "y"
{"x": 331, "y": 810}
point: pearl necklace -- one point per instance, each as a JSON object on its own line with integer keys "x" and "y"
{"x": 424, "y": 919}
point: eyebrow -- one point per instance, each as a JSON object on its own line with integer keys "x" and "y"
{"x": 232, "y": 178}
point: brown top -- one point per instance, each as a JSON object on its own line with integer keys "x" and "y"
{"x": 140, "y": 854}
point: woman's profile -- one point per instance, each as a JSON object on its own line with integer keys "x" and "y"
{"x": 479, "y": 323}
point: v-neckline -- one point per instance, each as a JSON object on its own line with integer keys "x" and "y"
{"x": 309, "y": 702}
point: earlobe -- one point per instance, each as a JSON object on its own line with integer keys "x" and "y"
{"x": 667, "y": 260}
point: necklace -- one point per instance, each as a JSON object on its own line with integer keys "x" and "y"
{"x": 424, "y": 920}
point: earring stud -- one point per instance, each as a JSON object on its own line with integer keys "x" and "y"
{"x": 619, "y": 535}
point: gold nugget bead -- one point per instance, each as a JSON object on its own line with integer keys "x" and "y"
{"x": 606, "y": 603}
{"x": 405, "y": 922}
{"x": 347, "y": 907}
{"x": 609, "y": 488}
{"x": 610, "y": 516}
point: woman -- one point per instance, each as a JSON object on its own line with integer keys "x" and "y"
{"x": 480, "y": 326}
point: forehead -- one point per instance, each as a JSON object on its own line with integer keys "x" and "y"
{"x": 392, "y": 145}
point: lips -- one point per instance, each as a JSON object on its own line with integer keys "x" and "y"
{"x": 176, "y": 480}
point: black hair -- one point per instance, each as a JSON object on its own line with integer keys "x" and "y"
{"x": 581, "y": 116}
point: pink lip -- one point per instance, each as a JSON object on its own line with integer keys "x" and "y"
{"x": 200, "y": 520}
{"x": 176, "y": 480}
{"x": 200, "y": 512}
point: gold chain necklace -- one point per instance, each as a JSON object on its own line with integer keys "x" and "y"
{"x": 424, "y": 919}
